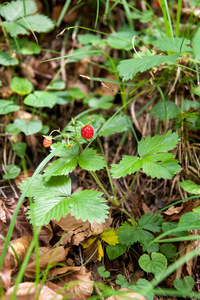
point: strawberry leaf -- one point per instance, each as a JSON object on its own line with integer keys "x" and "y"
{"x": 129, "y": 67}
{"x": 128, "y": 165}
{"x": 88, "y": 205}
{"x": 90, "y": 160}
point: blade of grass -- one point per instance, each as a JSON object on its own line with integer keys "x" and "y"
{"x": 63, "y": 12}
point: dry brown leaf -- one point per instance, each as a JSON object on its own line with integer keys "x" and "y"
{"x": 175, "y": 213}
{"x": 23, "y": 176}
{"x": 29, "y": 289}
{"x": 69, "y": 223}
{"x": 126, "y": 295}
{"x": 22, "y": 226}
{"x": 53, "y": 255}
{"x": 6, "y": 270}
{"x": 83, "y": 285}
{"x": 3, "y": 230}
{"x": 191, "y": 247}
{"x": 46, "y": 234}
{"x": 20, "y": 247}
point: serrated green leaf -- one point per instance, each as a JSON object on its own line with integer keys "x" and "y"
{"x": 45, "y": 209}
{"x": 68, "y": 151}
{"x": 156, "y": 264}
{"x": 128, "y": 234}
{"x": 164, "y": 169}
{"x": 41, "y": 99}
{"x": 21, "y": 86}
{"x": 119, "y": 123}
{"x": 7, "y": 106}
{"x": 158, "y": 111}
{"x": 12, "y": 172}
{"x": 14, "y": 29}
{"x": 151, "y": 222}
{"x": 17, "y": 9}
{"x": 176, "y": 44}
{"x": 168, "y": 226}
{"x": 37, "y": 22}
{"x": 61, "y": 184}
{"x": 90, "y": 160}
{"x": 184, "y": 284}
{"x": 88, "y": 205}
{"x": 103, "y": 273}
{"x": 28, "y": 128}
{"x": 129, "y": 67}
{"x": 115, "y": 251}
{"x": 158, "y": 143}
{"x": 7, "y": 60}
{"x": 128, "y": 165}
{"x": 61, "y": 166}
{"x": 190, "y": 187}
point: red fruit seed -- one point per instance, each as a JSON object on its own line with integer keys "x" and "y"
{"x": 87, "y": 132}
{"x": 47, "y": 142}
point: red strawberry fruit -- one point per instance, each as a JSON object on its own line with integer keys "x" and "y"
{"x": 87, "y": 132}
{"x": 158, "y": 3}
{"x": 47, "y": 141}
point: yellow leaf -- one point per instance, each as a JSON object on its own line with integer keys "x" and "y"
{"x": 100, "y": 251}
{"x": 89, "y": 242}
{"x": 110, "y": 236}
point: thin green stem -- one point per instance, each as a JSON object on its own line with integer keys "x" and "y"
{"x": 130, "y": 187}
{"x": 178, "y": 16}
{"x": 107, "y": 169}
{"x": 96, "y": 178}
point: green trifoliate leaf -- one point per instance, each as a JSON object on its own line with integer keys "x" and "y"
{"x": 7, "y": 106}
{"x": 190, "y": 187}
{"x": 21, "y": 86}
{"x": 129, "y": 67}
{"x": 158, "y": 143}
{"x": 128, "y": 165}
{"x": 7, "y": 60}
{"x": 90, "y": 160}
{"x": 41, "y": 99}
{"x": 119, "y": 123}
{"x": 176, "y": 44}
{"x": 151, "y": 222}
{"x": 155, "y": 264}
{"x": 89, "y": 206}
{"x": 61, "y": 166}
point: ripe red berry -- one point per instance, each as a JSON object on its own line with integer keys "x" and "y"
{"x": 87, "y": 132}
{"x": 158, "y": 3}
{"x": 47, "y": 141}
